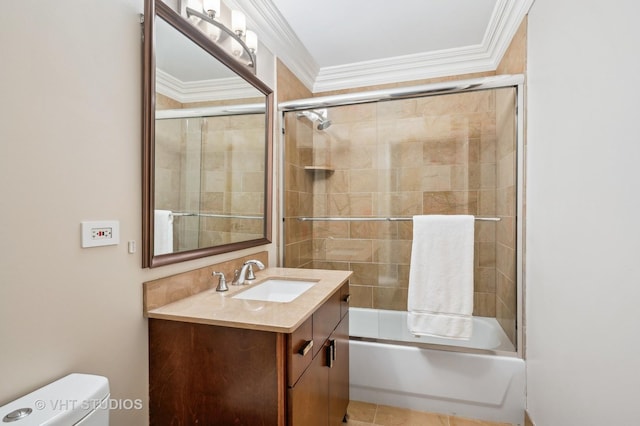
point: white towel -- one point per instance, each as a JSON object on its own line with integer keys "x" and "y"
{"x": 162, "y": 232}
{"x": 440, "y": 299}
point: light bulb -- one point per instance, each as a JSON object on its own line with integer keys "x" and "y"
{"x": 197, "y": 6}
{"x": 213, "y": 32}
{"x": 236, "y": 48}
{"x": 211, "y": 7}
{"x": 251, "y": 39}
{"x": 238, "y": 22}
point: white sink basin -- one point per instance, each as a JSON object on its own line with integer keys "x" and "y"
{"x": 276, "y": 290}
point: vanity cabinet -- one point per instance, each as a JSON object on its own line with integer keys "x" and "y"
{"x": 218, "y": 375}
{"x": 320, "y": 395}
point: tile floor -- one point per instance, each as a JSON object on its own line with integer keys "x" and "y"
{"x": 366, "y": 414}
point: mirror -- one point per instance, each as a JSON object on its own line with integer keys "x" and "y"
{"x": 207, "y": 145}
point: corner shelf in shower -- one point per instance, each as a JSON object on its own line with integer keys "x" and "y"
{"x": 327, "y": 169}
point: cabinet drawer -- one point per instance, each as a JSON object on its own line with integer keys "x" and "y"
{"x": 325, "y": 320}
{"x": 299, "y": 351}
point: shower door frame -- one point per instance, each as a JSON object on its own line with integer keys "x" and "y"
{"x": 515, "y": 81}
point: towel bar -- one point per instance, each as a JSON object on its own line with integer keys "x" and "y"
{"x": 228, "y": 216}
{"x": 380, "y": 219}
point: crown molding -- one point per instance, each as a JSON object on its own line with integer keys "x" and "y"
{"x": 276, "y": 33}
{"x": 203, "y": 90}
{"x": 404, "y": 68}
{"x": 507, "y": 25}
{"x": 505, "y": 20}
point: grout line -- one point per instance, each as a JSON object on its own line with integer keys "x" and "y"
{"x": 375, "y": 412}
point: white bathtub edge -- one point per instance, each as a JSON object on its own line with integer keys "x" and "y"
{"x": 485, "y": 387}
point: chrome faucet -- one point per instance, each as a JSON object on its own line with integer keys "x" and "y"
{"x": 246, "y": 272}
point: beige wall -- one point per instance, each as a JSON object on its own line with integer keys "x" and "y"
{"x": 70, "y": 146}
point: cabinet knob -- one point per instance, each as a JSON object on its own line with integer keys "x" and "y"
{"x": 306, "y": 348}
{"x": 347, "y": 298}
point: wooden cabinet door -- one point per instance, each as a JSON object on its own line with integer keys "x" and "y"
{"x": 339, "y": 373}
{"x": 309, "y": 398}
{"x": 209, "y": 375}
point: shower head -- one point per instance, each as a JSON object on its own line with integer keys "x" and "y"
{"x": 316, "y": 115}
{"x": 323, "y": 124}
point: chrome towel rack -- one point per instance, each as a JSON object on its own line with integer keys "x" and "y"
{"x": 378, "y": 219}
{"x": 226, "y": 216}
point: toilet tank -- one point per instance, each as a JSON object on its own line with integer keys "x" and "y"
{"x": 76, "y": 399}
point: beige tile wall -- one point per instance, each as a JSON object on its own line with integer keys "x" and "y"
{"x": 513, "y": 62}
{"x": 168, "y": 156}
{"x": 506, "y": 209}
{"x": 433, "y": 155}
{"x": 298, "y": 191}
{"x": 289, "y": 86}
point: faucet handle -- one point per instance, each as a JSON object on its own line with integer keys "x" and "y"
{"x": 222, "y": 282}
{"x": 236, "y": 277}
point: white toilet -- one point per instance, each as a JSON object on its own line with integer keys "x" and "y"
{"x": 77, "y": 399}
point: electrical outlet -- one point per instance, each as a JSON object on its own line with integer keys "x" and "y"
{"x": 100, "y": 233}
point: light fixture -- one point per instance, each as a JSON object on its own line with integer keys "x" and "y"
{"x": 238, "y": 22}
{"x": 213, "y": 32}
{"x": 194, "y": 5}
{"x": 211, "y": 8}
{"x": 236, "y": 48}
{"x": 243, "y": 42}
{"x": 252, "y": 41}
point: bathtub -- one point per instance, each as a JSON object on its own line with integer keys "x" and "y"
{"x": 475, "y": 378}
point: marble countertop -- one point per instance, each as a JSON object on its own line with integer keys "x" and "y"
{"x": 215, "y": 308}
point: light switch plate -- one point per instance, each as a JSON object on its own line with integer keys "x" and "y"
{"x": 100, "y": 233}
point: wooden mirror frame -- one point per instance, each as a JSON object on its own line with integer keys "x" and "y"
{"x": 152, "y": 10}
